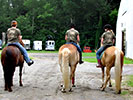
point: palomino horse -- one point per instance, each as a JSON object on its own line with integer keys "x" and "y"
{"x": 112, "y": 56}
{"x": 11, "y": 57}
{"x": 68, "y": 60}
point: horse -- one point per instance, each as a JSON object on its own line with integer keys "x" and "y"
{"x": 112, "y": 57}
{"x": 11, "y": 57}
{"x": 68, "y": 60}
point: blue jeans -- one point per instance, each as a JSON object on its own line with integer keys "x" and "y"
{"x": 100, "y": 50}
{"x": 75, "y": 44}
{"x": 22, "y": 49}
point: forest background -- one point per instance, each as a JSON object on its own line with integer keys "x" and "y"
{"x": 50, "y": 19}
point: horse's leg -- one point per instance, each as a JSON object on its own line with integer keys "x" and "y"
{"x": 73, "y": 81}
{"x": 73, "y": 68}
{"x": 6, "y": 79}
{"x": 60, "y": 64}
{"x": 107, "y": 78}
{"x": 110, "y": 85}
{"x": 20, "y": 75}
{"x": 102, "y": 76}
{"x": 12, "y": 77}
{"x": 61, "y": 85}
{"x": 11, "y": 73}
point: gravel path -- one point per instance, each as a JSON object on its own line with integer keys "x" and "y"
{"x": 42, "y": 80}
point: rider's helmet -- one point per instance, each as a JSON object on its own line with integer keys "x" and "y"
{"x": 107, "y": 26}
{"x": 14, "y": 23}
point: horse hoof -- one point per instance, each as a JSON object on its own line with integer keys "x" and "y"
{"x": 21, "y": 84}
{"x": 10, "y": 90}
{"x": 73, "y": 85}
{"x": 102, "y": 89}
{"x": 5, "y": 89}
{"x": 118, "y": 92}
{"x": 70, "y": 90}
{"x": 61, "y": 85}
{"x": 63, "y": 91}
{"x": 12, "y": 84}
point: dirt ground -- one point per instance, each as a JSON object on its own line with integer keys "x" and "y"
{"x": 42, "y": 82}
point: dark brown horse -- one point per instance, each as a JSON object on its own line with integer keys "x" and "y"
{"x": 11, "y": 57}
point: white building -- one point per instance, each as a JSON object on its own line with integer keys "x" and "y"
{"x": 124, "y": 29}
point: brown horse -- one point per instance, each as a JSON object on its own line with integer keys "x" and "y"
{"x": 112, "y": 57}
{"x": 68, "y": 60}
{"x": 11, "y": 57}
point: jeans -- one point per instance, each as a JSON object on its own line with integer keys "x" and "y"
{"x": 22, "y": 49}
{"x": 75, "y": 44}
{"x": 100, "y": 50}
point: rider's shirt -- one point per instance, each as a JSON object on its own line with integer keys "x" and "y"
{"x": 13, "y": 35}
{"x": 108, "y": 38}
{"x": 72, "y": 35}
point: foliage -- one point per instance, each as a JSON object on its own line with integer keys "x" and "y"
{"x": 41, "y": 19}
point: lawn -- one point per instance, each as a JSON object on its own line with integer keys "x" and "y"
{"x": 41, "y": 51}
{"x": 128, "y": 84}
{"x": 91, "y": 57}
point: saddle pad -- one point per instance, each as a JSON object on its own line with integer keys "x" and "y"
{"x": 101, "y": 54}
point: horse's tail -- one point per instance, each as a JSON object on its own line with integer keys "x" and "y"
{"x": 8, "y": 56}
{"x": 65, "y": 67}
{"x": 118, "y": 70}
{"x": 10, "y": 59}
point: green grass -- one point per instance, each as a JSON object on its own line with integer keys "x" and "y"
{"x": 128, "y": 61}
{"x": 124, "y": 92}
{"x": 88, "y": 57}
{"x": 42, "y": 51}
{"x": 93, "y": 54}
{"x": 130, "y": 81}
{"x": 91, "y": 57}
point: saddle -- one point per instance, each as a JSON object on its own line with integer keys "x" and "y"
{"x": 15, "y": 46}
{"x": 102, "y": 54}
{"x": 104, "y": 51}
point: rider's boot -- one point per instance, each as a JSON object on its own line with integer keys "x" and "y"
{"x": 80, "y": 59}
{"x": 30, "y": 63}
{"x": 99, "y": 65}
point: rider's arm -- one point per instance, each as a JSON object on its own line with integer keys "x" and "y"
{"x": 20, "y": 37}
{"x": 65, "y": 37}
{"x": 102, "y": 40}
{"x": 20, "y": 40}
{"x": 78, "y": 39}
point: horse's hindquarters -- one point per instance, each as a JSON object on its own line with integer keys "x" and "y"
{"x": 10, "y": 58}
{"x": 68, "y": 58}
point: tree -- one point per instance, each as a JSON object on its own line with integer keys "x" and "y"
{"x": 39, "y": 19}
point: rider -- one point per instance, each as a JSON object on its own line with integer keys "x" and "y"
{"x": 107, "y": 40}
{"x": 13, "y": 38}
{"x": 72, "y": 36}
{"x": 108, "y": 28}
